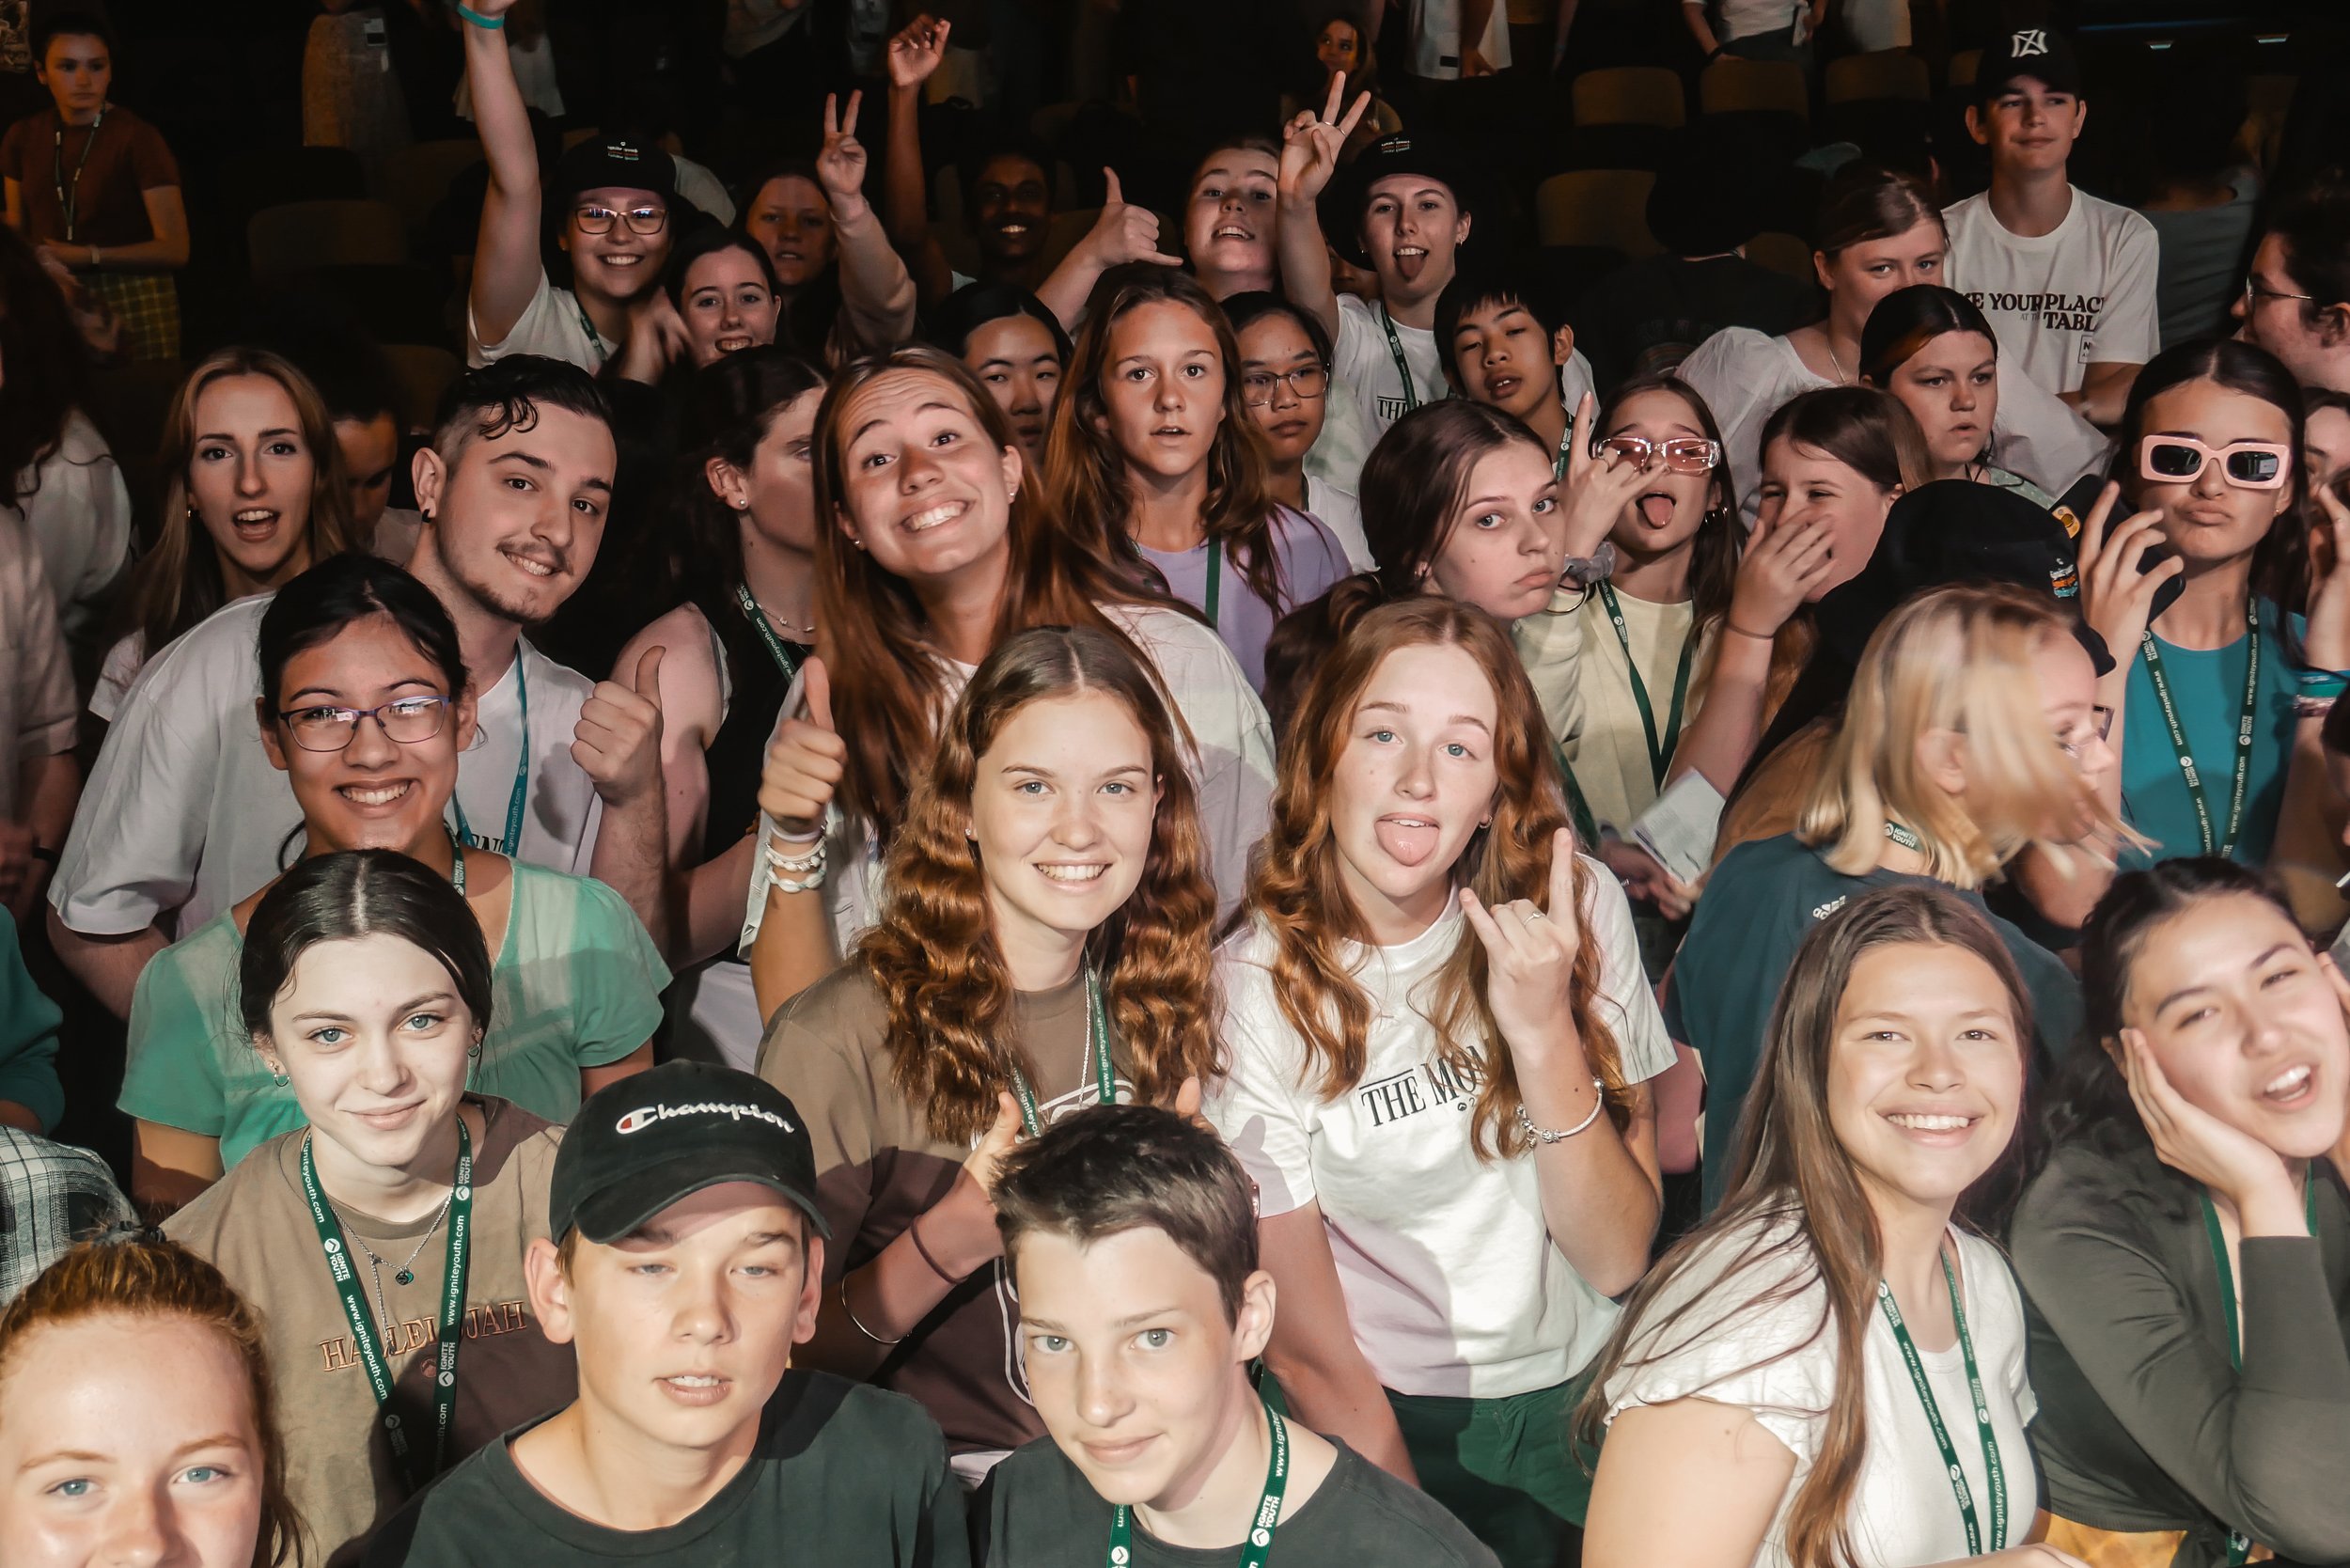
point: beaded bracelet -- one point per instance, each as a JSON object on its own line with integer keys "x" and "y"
{"x": 796, "y": 873}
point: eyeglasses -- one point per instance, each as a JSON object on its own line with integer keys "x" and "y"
{"x": 2100, "y": 727}
{"x": 2182, "y": 458}
{"x": 641, "y": 220}
{"x": 404, "y": 721}
{"x": 2255, "y": 292}
{"x": 1307, "y": 382}
{"x": 1683, "y": 454}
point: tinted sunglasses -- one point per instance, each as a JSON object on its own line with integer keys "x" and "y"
{"x": 1683, "y": 454}
{"x": 2247, "y": 464}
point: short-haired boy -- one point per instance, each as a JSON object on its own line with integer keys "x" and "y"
{"x": 1132, "y": 1239}
{"x": 686, "y": 1257}
{"x": 1505, "y": 340}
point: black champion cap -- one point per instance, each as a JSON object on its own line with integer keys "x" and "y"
{"x": 643, "y": 1143}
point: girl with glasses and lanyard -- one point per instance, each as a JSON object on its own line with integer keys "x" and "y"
{"x": 1831, "y": 1370}
{"x": 365, "y": 705}
{"x": 2196, "y": 569}
{"x": 382, "y": 1244}
{"x": 1285, "y": 382}
{"x": 2184, "y": 1252}
{"x": 1155, "y": 445}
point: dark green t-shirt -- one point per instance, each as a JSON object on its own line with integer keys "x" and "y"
{"x": 1038, "y": 1511}
{"x": 1758, "y": 905}
{"x": 844, "y": 1474}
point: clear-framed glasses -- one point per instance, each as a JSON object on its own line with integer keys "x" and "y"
{"x": 404, "y": 720}
{"x": 1307, "y": 382}
{"x": 646, "y": 219}
{"x": 2255, "y": 292}
{"x": 2077, "y": 740}
{"x": 2182, "y": 458}
{"x": 1683, "y": 454}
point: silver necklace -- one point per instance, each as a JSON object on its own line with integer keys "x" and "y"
{"x": 406, "y": 1273}
{"x": 1842, "y": 379}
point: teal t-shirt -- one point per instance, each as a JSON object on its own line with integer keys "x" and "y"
{"x": 2207, "y": 688}
{"x": 1757, "y": 906}
{"x": 576, "y": 983}
{"x": 28, "y": 1035}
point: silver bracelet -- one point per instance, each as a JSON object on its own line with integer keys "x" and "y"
{"x": 849, "y": 1313}
{"x": 1545, "y": 1134}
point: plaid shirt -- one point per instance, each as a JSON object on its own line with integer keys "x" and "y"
{"x": 52, "y": 1194}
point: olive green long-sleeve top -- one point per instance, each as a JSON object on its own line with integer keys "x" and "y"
{"x": 2144, "y": 1423}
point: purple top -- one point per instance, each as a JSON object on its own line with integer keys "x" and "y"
{"x": 1311, "y": 561}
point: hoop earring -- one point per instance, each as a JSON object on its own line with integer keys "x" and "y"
{"x": 277, "y": 1074}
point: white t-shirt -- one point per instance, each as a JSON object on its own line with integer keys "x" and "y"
{"x": 697, "y": 185}
{"x": 1436, "y": 39}
{"x": 1743, "y": 377}
{"x": 36, "y": 705}
{"x": 1779, "y": 1360}
{"x": 1232, "y": 771}
{"x": 551, "y": 324}
{"x": 79, "y": 516}
{"x": 1337, "y": 509}
{"x": 1453, "y": 1286}
{"x": 2081, "y": 294}
{"x": 183, "y": 811}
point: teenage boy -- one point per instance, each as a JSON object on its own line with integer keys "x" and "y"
{"x": 1403, "y": 198}
{"x": 94, "y": 188}
{"x": 184, "y": 815}
{"x": 685, "y": 1259}
{"x": 2297, "y": 298}
{"x": 1132, "y": 1238}
{"x": 1506, "y": 341}
{"x": 615, "y": 197}
{"x": 2066, "y": 279}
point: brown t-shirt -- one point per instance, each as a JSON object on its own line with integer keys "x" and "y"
{"x": 128, "y": 159}
{"x": 256, "y": 1226}
{"x": 878, "y": 1167}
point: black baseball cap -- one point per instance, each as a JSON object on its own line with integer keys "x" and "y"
{"x": 643, "y": 1143}
{"x": 2043, "y": 53}
{"x": 1403, "y": 153}
{"x": 1957, "y": 531}
{"x": 616, "y": 164}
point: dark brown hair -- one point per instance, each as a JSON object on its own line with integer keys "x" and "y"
{"x": 1721, "y": 538}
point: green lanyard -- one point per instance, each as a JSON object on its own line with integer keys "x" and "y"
{"x": 512, "y": 843}
{"x": 2239, "y": 1544}
{"x": 1578, "y": 809}
{"x": 1566, "y": 441}
{"x": 1660, "y": 755}
{"x": 1994, "y": 1474}
{"x": 785, "y": 659}
{"x": 2222, "y": 845}
{"x": 1403, "y": 366}
{"x": 1259, "y": 1546}
{"x": 1097, "y": 1047}
{"x": 595, "y": 338}
{"x": 363, "y": 1327}
{"x": 1215, "y": 580}
{"x": 1905, "y": 838}
{"x": 70, "y": 198}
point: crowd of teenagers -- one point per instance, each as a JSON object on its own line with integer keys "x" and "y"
{"x": 1254, "y": 887}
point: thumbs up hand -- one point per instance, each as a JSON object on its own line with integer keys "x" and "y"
{"x": 804, "y": 761}
{"x": 617, "y": 739}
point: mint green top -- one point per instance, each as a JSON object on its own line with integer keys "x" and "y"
{"x": 577, "y": 983}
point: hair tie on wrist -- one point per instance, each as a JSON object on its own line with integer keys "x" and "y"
{"x": 489, "y": 24}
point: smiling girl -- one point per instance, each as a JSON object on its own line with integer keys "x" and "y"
{"x": 2186, "y": 1254}
{"x": 253, "y": 493}
{"x": 365, "y": 706}
{"x": 1045, "y": 947}
{"x": 1808, "y": 1379}
{"x": 1153, "y": 443}
{"x": 389, "y": 1233}
{"x": 1440, "y": 1040}
{"x": 100, "y": 1459}
{"x": 1232, "y": 217}
{"x": 723, "y": 290}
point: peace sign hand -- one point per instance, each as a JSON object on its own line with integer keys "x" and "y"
{"x": 840, "y": 165}
{"x": 1311, "y": 144}
{"x": 1530, "y": 953}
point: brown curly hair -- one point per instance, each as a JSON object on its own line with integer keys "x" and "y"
{"x": 1298, "y": 894}
{"x": 935, "y": 957}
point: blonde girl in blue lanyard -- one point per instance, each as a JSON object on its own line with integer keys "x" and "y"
{"x": 2207, "y": 495}
{"x": 1901, "y": 1016}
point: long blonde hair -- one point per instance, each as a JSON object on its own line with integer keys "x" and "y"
{"x": 1957, "y": 659}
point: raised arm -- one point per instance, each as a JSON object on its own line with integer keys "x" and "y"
{"x": 913, "y": 53}
{"x": 792, "y": 948}
{"x": 1124, "y": 232}
{"x": 876, "y": 290}
{"x": 505, "y": 267}
{"x": 1311, "y": 144}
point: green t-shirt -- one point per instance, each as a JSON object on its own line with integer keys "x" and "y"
{"x": 28, "y": 1035}
{"x": 844, "y": 1474}
{"x": 1758, "y": 905}
{"x": 1038, "y": 1511}
{"x": 2207, "y": 690}
{"x": 577, "y": 983}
